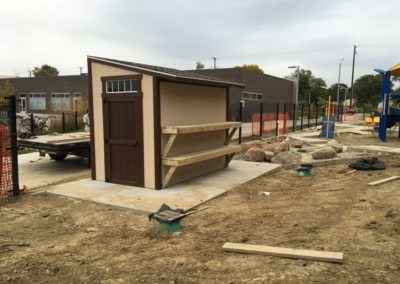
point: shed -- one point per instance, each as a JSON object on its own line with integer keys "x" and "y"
{"x": 153, "y": 126}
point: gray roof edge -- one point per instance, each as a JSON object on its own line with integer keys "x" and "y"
{"x": 241, "y": 69}
{"x": 107, "y": 60}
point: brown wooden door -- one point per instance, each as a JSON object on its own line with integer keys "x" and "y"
{"x": 123, "y": 138}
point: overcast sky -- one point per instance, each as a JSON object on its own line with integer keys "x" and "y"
{"x": 314, "y": 34}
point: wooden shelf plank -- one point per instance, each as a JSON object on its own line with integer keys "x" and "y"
{"x": 185, "y": 129}
{"x": 197, "y": 157}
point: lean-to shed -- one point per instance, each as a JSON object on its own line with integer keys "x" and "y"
{"x": 153, "y": 126}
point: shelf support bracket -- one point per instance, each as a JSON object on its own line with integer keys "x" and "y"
{"x": 230, "y": 135}
{"x": 169, "y": 144}
{"x": 168, "y": 176}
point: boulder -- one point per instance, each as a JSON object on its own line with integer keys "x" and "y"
{"x": 283, "y": 147}
{"x": 335, "y": 145}
{"x": 268, "y": 155}
{"x": 254, "y": 154}
{"x": 276, "y": 147}
{"x": 326, "y": 152}
{"x": 287, "y": 158}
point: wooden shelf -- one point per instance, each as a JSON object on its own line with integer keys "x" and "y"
{"x": 185, "y": 129}
{"x": 196, "y": 157}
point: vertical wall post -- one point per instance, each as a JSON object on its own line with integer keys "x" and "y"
{"x": 241, "y": 120}
{"x": 277, "y": 120}
{"x": 294, "y": 118}
{"x": 261, "y": 119}
{"x": 302, "y": 116}
{"x": 14, "y": 146}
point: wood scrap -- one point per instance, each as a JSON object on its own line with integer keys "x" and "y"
{"x": 285, "y": 252}
{"x": 350, "y": 172}
{"x": 328, "y": 190}
{"x": 385, "y": 180}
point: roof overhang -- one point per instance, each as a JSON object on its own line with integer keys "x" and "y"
{"x": 166, "y": 75}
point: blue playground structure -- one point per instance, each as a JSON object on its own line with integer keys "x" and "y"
{"x": 390, "y": 113}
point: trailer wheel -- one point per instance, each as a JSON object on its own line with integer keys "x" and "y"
{"x": 58, "y": 156}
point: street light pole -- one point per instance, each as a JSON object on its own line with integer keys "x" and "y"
{"x": 338, "y": 88}
{"x": 297, "y": 67}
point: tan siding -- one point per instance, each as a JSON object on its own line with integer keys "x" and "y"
{"x": 148, "y": 131}
{"x": 98, "y": 71}
{"x": 183, "y": 104}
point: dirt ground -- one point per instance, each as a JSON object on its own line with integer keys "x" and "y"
{"x": 49, "y": 239}
{"x": 357, "y": 140}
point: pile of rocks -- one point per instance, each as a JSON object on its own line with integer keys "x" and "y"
{"x": 277, "y": 152}
{"x": 289, "y": 151}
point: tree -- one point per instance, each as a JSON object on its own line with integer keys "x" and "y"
{"x": 45, "y": 71}
{"x": 367, "y": 90}
{"x": 199, "y": 65}
{"x": 332, "y": 91}
{"x": 6, "y": 89}
{"x": 252, "y": 68}
{"x": 310, "y": 87}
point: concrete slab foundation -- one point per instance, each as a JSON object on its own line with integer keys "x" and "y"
{"x": 36, "y": 171}
{"x": 185, "y": 195}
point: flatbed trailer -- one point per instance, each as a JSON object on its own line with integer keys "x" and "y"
{"x": 59, "y": 146}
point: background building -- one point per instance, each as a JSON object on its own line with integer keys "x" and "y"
{"x": 51, "y": 94}
{"x": 259, "y": 88}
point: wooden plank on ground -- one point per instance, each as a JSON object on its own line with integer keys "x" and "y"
{"x": 285, "y": 252}
{"x": 385, "y": 180}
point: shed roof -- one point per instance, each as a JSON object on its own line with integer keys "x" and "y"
{"x": 170, "y": 73}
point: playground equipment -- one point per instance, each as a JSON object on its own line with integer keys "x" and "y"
{"x": 390, "y": 113}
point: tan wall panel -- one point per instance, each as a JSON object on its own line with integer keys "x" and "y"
{"x": 183, "y": 104}
{"x": 100, "y": 70}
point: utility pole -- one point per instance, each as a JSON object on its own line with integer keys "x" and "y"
{"x": 352, "y": 75}
{"x": 80, "y": 70}
{"x": 215, "y": 62}
{"x": 30, "y": 73}
{"x": 297, "y": 67}
{"x": 338, "y": 89}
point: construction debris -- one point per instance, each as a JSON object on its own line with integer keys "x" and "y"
{"x": 368, "y": 164}
{"x": 385, "y": 180}
{"x": 285, "y": 252}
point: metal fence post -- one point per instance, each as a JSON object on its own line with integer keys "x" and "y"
{"x": 309, "y": 116}
{"x": 302, "y": 116}
{"x": 261, "y": 119}
{"x": 32, "y": 124}
{"x": 241, "y": 120}
{"x": 284, "y": 119}
{"x": 277, "y": 121}
{"x": 63, "y": 122}
{"x": 14, "y": 145}
{"x": 294, "y": 117}
{"x": 316, "y": 114}
{"x": 76, "y": 120}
